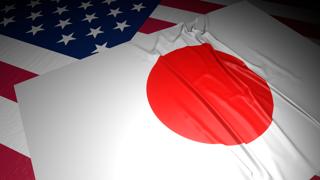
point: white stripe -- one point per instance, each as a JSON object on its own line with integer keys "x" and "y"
{"x": 11, "y": 129}
{"x": 173, "y": 15}
{"x": 30, "y": 57}
{"x": 278, "y": 10}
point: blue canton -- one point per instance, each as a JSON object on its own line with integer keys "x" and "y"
{"x": 72, "y": 27}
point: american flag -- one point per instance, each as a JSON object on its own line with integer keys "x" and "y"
{"x": 76, "y": 29}
{"x": 40, "y": 36}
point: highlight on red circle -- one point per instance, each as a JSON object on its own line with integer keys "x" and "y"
{"x": 209, "y": 96}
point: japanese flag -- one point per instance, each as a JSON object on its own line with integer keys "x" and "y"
{"x": 232, "y": 95}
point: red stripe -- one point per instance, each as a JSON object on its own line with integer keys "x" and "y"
{"x": 14, "y": 166}
{"x": 192, "y": 5}
{"x": 9, "y": 76}
{"x": 315, "y": 178}
{"x": 152, "y": 25}
{"x": 306, "y": 29}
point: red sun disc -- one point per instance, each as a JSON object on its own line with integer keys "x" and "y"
{"x": 209, "y": 96}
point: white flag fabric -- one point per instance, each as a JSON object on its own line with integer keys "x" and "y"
{"x": 93, "y": 119}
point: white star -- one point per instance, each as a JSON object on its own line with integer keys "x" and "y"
{"x": 66, "y": 38}
{"x": 121, "y": 26}
{"x": 34, "y": 3}
{"x": 8, "y": 8}
{"x": 61, "y": 10}
{"x": 100, "y": 48}
{"x": 35, "y": 29}
{"x": 33, "y": 15}
{"x": 95, "y": 32}
{"x": 108, "y": 1}
{"x": 6, "y": 21}
{"x": 64, "y": 23}
{"x": 85, "y": 5}
{"x": 138, "y": 7}
{"x": 114, "y": 12}
{"x": 89, "y": 18}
